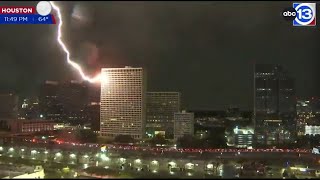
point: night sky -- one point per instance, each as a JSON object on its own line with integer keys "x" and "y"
{"x": 203, "y": 49}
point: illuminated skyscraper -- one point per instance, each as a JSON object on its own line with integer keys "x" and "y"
{"x": 122, "y": 102}
{"x": 274, "y": 102}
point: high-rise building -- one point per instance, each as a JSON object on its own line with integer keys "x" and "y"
{"x": 49, "y": 102}
{"x": 274, "y": 102}
{"x": 183, "y": 124}
{"x": 8, "y": 106}
{"x": 123, "y": 105}
{"x": 161, "y": 107}
{"x": 73, "y": 97}
{"x": 63, "y": 101}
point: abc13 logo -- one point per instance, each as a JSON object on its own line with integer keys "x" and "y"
{"x": 301, "y": 14}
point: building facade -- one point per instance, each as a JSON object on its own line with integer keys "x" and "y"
{"x": 123, "y": 102}
{"x": 274, "y": 103}
{"x": 241, "y": 137}
{"x": 73, "y": 97}
{"x": 161, "y": 107}
{"x": 93, "y": 106}
{"x": 8, "y": 106}
{"x": 183, "y": 124}
{"x": 305, "y": 116}
{"x": 49, "y": 102}
{"x": 64, "y": 101}
{"x": 31, "y": 126}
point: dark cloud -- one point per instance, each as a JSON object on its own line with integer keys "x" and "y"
{"x": 203, "y": 49}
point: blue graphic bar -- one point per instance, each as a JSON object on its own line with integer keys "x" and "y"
{"x": 26, "y": 19}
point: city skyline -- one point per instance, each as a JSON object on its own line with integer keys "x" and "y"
{"x": 192, "y": 59}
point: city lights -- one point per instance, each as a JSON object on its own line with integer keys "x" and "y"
{"x": 209, "y": 166}
{"x": 72, "y": 155}
{"x": 181, "y": 92}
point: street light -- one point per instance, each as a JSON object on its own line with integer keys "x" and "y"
{"x": 58, "y": 154}
{"x": 172, "y": 164}
{"x": 138, "y": 161}
{"x": 209, "y": 166}
{"x": 33, "y": 151}
{"x": 189, "y": 166}
{"x": 122, "y": 160}
{"x": 72, "y": 155}
{"x": 11, "y": 149}
{"x": 154, "y": 162}
{"x": 1, "y": 148}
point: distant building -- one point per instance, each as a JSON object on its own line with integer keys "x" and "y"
{"x": 8, "y": 106}
{"x": 161, "y": 107}
{"x": 274, "y": 103}
{"x": 49, "y": 101}
{"x": 73, "y": 97}
{"x": 183, "y": 124}
{"x": 65, "y": 101}
{"x": 123, "y": 102}
{"x": 305, "y": 116}
{"x": 312, "y": 130}
{"x": 31, "y": 126}
{"x": 210, "y": 118}
{"x": 30, "y": 109}
{"x": 93, "y": 115}
{"x": 93, "y": 107}
{"x": 241, "y": 137}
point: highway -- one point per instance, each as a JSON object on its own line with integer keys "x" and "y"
{"x": 134, "y": 158}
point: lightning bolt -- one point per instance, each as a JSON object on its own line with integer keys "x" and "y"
{"x": 76, "y": 66}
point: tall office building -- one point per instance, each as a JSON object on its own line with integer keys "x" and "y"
{"x": 49, "y": 102}
{"x": 63, "y": 101}
{"x": 274, "y": 103}
{"x": 161, "y": 107}
{"x": 73, "y": 96}
{"x": 183, "y": 124}
{"x": 274, "y": 94}
{"x": 123, "y": 105}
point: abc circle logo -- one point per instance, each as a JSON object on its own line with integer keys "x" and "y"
{"x": 301, "y": 14}
{"x": 306, "y": 13}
